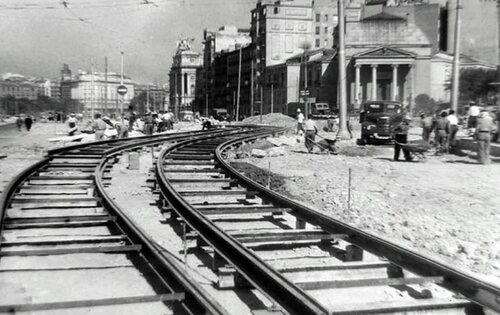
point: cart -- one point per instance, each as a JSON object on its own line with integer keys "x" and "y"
{"x": 416, "y": 148}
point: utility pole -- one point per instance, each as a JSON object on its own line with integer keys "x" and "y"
{"x": 251, "y": 88}
{"x": 343, "y": 133}
{"x": 306, "y": 101}
{"x": 105, "y": 85}
{"x": 92, "y": 89}
{"x": 272, "y": 97}
{"x": 147, "y": 98}
{"x": 239, "y": 87}
{"x": 261, "y": 102}
{"x": 121, "y": 82}
{"x": 456, "y": 61}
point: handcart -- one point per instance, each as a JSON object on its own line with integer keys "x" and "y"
{"x": 416, "y": 148}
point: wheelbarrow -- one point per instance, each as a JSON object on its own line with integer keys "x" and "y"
{"x": 417, "y": 148}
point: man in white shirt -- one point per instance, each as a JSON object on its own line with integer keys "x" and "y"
{"x": 473, "y": 114}
{"x": 300, "y": 122}
{"x": 310, "y": 134}
{"x": 452, "y": 129}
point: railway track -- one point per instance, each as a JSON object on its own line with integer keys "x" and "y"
{"x": 302, "y": 260}
{"x": 66, "y": 247}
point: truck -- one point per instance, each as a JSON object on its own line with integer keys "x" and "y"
{"x": 316, "y": 110}
{"x": 220, "y": 114}
{"x": 378, "y": 119}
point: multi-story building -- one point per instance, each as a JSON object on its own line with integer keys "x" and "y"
{"x": 27, "y": 90}
{"x": 182, "y": 77}
{"x": 52, "y": 89}
{"x": 155, "y": 96}
{"x": 97, "y": 94}
{"x": 225, "y": 39}
{"x": 279, "y": 29}
{"x": 325, "y": 21}
{"x": 66, "y": 84}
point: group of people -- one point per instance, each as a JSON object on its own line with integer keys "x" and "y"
{"x": 445, "y": 128}
{"x": 308, "y": 128}
{"x": 28, "y": 122}
{"x": 480, "y": 124}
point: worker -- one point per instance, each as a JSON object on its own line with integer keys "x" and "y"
{"x": 28, "y": 121}
{"x": 452, "y": 129}
{"x": 400, "y": 131}
{"x": 300, "y": 122}
{"x": 19, "y": 122}
{"x": 473, "y": 115}
{"x": 99, "y": 126}
{"x": 121, "y": 129}
{"x": 310, "y": 134}
{"x": 72, "y": 124}
{"x": 427, "y": 123}
{"x": 484, "y": 128}
{"x": 441, "y": 133}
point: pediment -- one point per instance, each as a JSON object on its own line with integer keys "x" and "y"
{"x": 385, "y": 52}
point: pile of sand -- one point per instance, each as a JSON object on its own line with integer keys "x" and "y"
{"x": 274, "y": 119}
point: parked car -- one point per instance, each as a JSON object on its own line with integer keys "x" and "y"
{"x": 378, "y": 119}
{"x": 316, "y": 110}
{"x": 220, "y": 114}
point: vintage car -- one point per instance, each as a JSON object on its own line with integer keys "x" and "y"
{"x": 378, "y": 119}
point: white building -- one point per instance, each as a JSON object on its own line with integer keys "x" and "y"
{"x": 93, "y": 91}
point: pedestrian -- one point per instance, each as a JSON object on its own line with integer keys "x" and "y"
{"x": 72, "y": 124}
{"x": 441, "y": 133}
{"x": 121, "y": 129}
{"x": 400, "y": 131}
{"x": 331, "y": 124}
{"x": 99, "y": 126}
{"x": 472, "y": 116}
{"x": 300, "y": 122}
{"x": 148, "y": 124}
{"x": 19, "y": 122}
{"x": 28, "y": 121}
{"x": 483, "y": 136}
{"x": 131, "y": 118}
{"x": 427, "y": 123}
{"x": 310, "y": 134}
{"x": 452, "y": 129}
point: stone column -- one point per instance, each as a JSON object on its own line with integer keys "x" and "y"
{"x": 357, "y": 69}
{"x": 394, "y": 82}
{"x": 412, "y": 87}
{"x": 374, "y": 82}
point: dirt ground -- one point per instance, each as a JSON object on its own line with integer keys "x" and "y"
{"x": 446, "y": 207}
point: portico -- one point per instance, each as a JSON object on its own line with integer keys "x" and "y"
{"x": 384, "y": 73}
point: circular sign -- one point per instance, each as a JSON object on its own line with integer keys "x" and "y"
{"x": 122, "y": 90}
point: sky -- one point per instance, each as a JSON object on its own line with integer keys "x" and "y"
{"x": 38, "y": 36}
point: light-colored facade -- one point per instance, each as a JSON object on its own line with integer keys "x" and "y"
{"x": 156, "y": 95}
{"x": 19, "y": 90}
{"x": 325, "y": 20}
{"x": 182, "y": 77}
{"x": 95, "y": 93}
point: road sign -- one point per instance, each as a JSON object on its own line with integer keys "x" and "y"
{"x": 122, "y": 90}
{"x": 304, "y": 92}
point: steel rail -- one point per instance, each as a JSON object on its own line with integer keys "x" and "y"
{"x": 160, "y": 263}
{"x": 474, "y": 289}
{"x": 196, "y": 300}
{"x": 274, "y": 285}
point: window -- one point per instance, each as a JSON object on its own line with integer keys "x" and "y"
{"x": 326, "y": 29}
{"x": 317, "y": 30}
{"x": 317, "y": 17}
{"x": 276, "y": 10}
{"x": 325, "y": 43}
{"x": 326, "y": 17}
{"x": 317, "y": 42}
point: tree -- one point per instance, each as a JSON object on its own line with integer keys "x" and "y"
{"x": 424, "y": 104}
{"x": 139, "y": 102}
{"x": 474, "y": 83}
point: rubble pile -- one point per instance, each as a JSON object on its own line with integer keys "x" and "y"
{"x": 274, "y": 119}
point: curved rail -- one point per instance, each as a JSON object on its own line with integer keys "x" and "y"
{"x": 291, "y": 296}
{"x": 475, "y": 289}
{"x": 262, "y": 276}
{"x": 125, "y": 238}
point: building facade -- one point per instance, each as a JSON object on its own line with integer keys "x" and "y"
{"x": 156, "y": 96}
{"x": 325, "y": 20}
{"x": 96, "y": 94}
{"x": 182, "y": 77}
{"x": 19, "y": 90}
